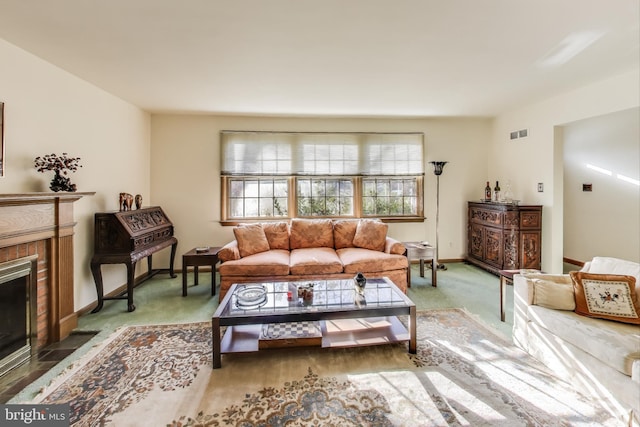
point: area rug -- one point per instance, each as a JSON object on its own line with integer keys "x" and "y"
{"x": 462, "y": 374}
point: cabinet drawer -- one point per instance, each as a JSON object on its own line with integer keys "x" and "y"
{"x": 486, "y": 216}
{"x": 531, "y": 220}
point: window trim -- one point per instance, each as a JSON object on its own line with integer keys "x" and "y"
{"x": 225, "y": 182}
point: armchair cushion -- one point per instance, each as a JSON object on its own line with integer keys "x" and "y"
{"x": 606, "y": 296}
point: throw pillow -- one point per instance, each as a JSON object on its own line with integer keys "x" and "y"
{"x": 343, "y": 232}
{"x": 606, "y": 296}
{"x": 558, "y": 296}
{"x": 251, "y": 239}
{"x": 371, "y": 234}
{"x": 277, "y": 234}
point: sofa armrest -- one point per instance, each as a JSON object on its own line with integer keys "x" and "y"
{"x": 393, "y": 246}
{"x": 229, "y": 252}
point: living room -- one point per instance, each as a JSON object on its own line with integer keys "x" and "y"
{"x": 168, "y": 150}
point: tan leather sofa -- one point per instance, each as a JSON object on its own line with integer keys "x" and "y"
{"x": 304, "y": 249}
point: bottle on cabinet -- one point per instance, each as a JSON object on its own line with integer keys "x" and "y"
{"x": 496, "y": 192}
{"x": 487, "y": 193}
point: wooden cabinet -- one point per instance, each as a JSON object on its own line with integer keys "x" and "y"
{"x": 503, "y": 236}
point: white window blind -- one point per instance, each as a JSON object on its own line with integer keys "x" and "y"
{"x": 315, "y": 153}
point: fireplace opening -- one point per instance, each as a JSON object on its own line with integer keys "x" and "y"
{"x": 18, "y": 306}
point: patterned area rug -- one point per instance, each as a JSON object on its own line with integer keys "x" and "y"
{"x": 463, "y": 374}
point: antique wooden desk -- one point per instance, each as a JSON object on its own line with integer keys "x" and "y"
{"x": 126, "y": 237}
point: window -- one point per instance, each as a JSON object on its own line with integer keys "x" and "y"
{"x": 269, "y": 175}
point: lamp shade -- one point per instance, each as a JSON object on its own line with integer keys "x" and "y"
{"x": 438, "y": 167}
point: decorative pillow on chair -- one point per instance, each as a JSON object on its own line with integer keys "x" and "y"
{"x": 251, "y": 239}
{"x": 606, "y": 296}
{"x": 371, "y": 234}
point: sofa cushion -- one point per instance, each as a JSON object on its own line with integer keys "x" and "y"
{"x": 311, "y": 233}
{"x": 371, "y": 234}
{"x": 365, "y": 260}
{"x": 277, "y": 234}
{"x": 343, "y": 232}
{"x": 613, "y": 343}
{"x": 309, "y": 261}
{"x": 552, "y": 294}
{"x": 610, "y": 265}
{"x": 270, "y": 263}
{"x": 251, "y": 239}
{"x": 606, "y": 296}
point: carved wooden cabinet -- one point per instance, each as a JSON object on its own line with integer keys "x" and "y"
{"x": 504, "y": 236}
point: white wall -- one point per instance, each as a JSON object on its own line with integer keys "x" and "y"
{"x": 48, "y": 110}
{"x": 605, "y": 221}
{"x": 185, "y": 171}
{"x": 538, "y": 158}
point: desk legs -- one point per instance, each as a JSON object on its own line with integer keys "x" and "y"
{"x": 97, "y": 277}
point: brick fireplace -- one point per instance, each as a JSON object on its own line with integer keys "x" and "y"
{"x": 40, "y": 226}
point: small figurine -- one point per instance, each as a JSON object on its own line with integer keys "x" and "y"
{"x": 138, "y": 201}
{"x": 126, "y": 200}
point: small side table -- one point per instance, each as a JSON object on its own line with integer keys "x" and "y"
{"x": 422, "y": 252}
{"x": 506, "y": 277}
{"x": 197, "y": 258}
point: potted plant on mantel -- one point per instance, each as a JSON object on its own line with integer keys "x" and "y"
{"x": 61, "y": 165}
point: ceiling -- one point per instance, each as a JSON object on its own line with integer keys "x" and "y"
{"x": 379, "y": 58}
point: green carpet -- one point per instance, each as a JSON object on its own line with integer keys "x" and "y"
{"x": 160, "y": 300}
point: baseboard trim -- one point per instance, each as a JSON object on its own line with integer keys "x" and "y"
{"x": 442, "y": 261}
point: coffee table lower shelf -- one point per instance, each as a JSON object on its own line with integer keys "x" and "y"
{"x": 335, "y": 333}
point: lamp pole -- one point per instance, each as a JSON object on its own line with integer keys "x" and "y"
{"x": 437, "y": 170}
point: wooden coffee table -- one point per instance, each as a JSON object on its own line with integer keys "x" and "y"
{"x": 333, "y": 301}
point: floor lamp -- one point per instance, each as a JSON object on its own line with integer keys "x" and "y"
{"x": 437, "y": 170}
